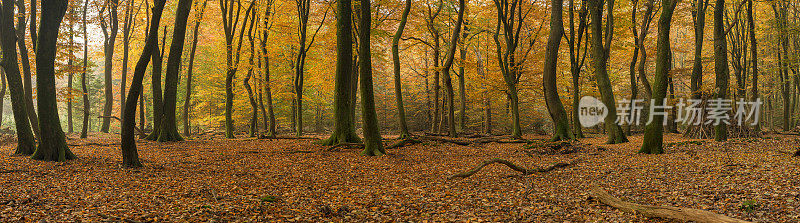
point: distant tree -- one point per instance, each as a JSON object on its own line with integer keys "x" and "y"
{"x": 575, "y": 39}
{"x": 398, "y": 90}
{"x": 110, "y": 29}
{"x": 231, "y": 12}
{"x": 187, "y": 99}
{"x": 84, "y": 91}
{"x": 448, "y": 85}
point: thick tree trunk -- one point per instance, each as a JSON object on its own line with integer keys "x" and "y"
{"x": 398, "y": 90}
{"x": 130, "y": 156}
{"x": 557, "y": 112}
{"x": 169, "y": 127}
{"x": 372, "y": 133}
{"x": 342, "y": 103}
{"x": 653, "y": 133}
{"x": 25, "y": 139}
{"x": 52, "y": 142}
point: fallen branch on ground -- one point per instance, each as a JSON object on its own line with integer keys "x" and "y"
{"x": 511, "y": 165}
{"x": 95, "y": 144}
{"x": 683, "y": 214}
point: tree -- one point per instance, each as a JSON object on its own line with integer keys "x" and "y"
{"x": 189, "y": 72}
{"x": 169, "y": 128}
{"x": 52, "y": 142}
{"x": 155, "y": 86}
{"x": 577, "y": 58}
{"x": 130, "y": 156}
{"x": 253, "y": 128}
{"x": 25, "y": 140}
{"x": 600, "y": 52}
{"x": 638, "y": 39}
{"x": 230, "y": 21}
{"x": 84, "y": 91}
{"x": 448, "y": 85}
{"x": 699, "y": 20}
{"x": 372, "y": 133}
{"x": 343, "y": 130}
{"x": 557, "y": 112}
{"x": 754, "y": 58}
{"x": 720, "y": 63}
{"x": 269, "y": 114}
{"x": 303, "y": 12}
{"x": 653, "y": 133}
{"x": 110, "y": 29}
{"x": 398, "y": 91}
{"x": 26, "y": 66}
{"x": 128, "y": 25}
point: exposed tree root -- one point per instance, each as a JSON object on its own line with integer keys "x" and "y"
{"x": 511, "y": 165}
{"x": 340, "y": 146}
{"x": 442, "y": 139}
{"x": 669, "y": 212}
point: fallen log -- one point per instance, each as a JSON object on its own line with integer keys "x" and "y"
{"x": 669, "y": 212}
{"x": 511, "y": 165}
{"x": 401, "y": 143}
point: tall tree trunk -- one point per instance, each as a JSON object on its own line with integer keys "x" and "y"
{"x": 720, "y": 63}
{"x": 754, "y": 59}
{"x": 25, "y": 139}
{"x": 557, "y": 112}
{"x": 372, "y": 133}
{"x": 653, "y": 133}
{"x": 169, "y": 127}
{"x": 109, "y": 65}
{"x": 398, "y": 90}
{"x": 253, "y": 127}
{"x": 451, "y": 122}
{"x": 269, "y": 115}
{"x": 26, "y": 66}
{"x": 3, "y": 83}
{"x": 70, "y": 78}
{"x": 343, "y": 123}
{"x": 126, "y": 37}
{"x": 84, "y": 90}
{"x": 576, "y": 58}
{"x": 52, "y": 142}
{"x": 155, "y": 85}
{"x": 600, "y": 53}
{"x": 187, "y": 100}
{"x": 462, "y": 91}
{"x": 130, "y": 156}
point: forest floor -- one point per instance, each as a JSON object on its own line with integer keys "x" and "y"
{"x": 296, "y": 180}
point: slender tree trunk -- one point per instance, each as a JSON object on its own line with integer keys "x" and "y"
{"x": 398, "y": 90}
{"x": 448, "y": 85}
{"x": 187, "y": 100}
{"x": 754, "y": 59}
{"x": 557, "y": 112}
{"x": 84, "y": 90}
{"x": 52, "y": 142}
{"x": 653, "y": 133}
{"x": 269, "y": 115}
{"x": 343, "y": 123}
{"x": 70, "y": 78}
{"x": 130, "y": 156}
{"x": 462, "y": 92}
{"x": 25, "y": 62}
{"x": 3, "y": 80}
{"x": 155, "y": 85}
{"x": 25, "y": 139}
{"x": 109, "y": 65}
{"x": 720, "y": 63}
{"x": 600, "y": 54}
{"x": 253, "y": 127}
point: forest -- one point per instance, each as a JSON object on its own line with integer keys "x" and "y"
{"x": 399, "y": 111}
